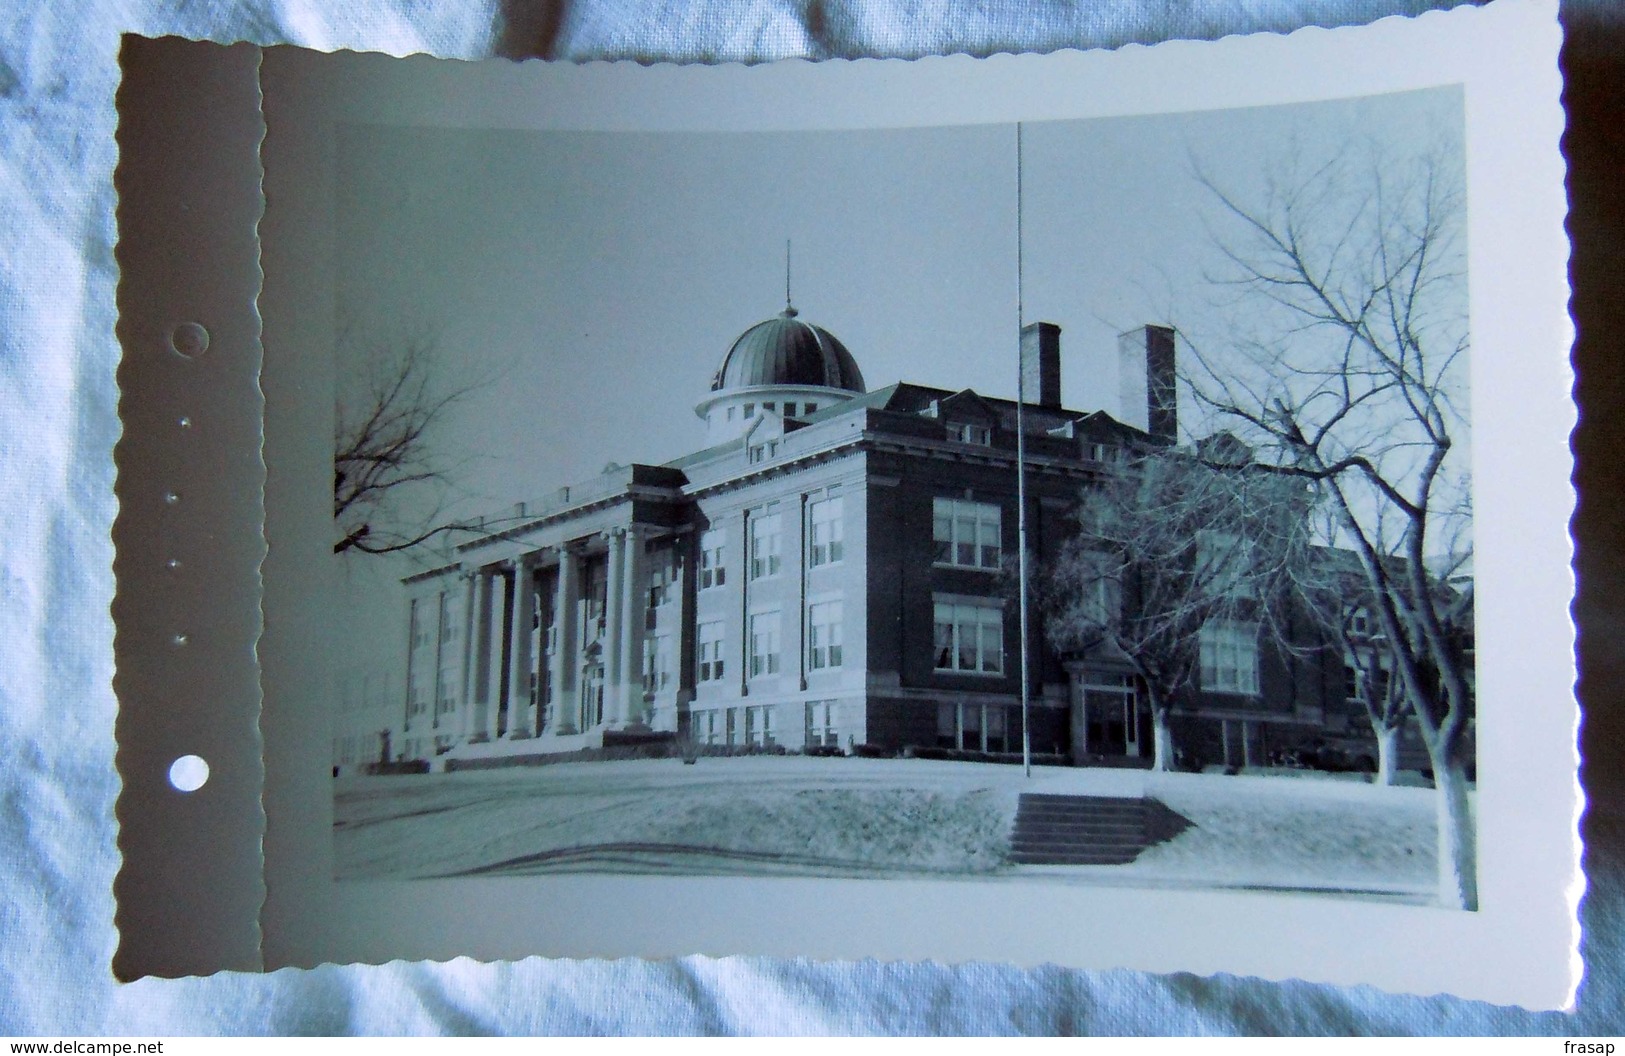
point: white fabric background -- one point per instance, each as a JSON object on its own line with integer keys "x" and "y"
{"x": 58, "y": 424}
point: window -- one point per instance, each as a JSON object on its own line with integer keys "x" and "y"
{"x": 731, "y": 411}
{"x": 970, "y": 637}
{"x": 808, "y": 408}
{"x": 750, "y": 409}
{"x": 764, "y": 644}
{"x": 764, "y": 546}
{"x": 965, "y": 533}
{"x": 1230, "y": 656}
{"x": 1357, "y": 680}
{"x": 662, "y": 576}
{"x": 712, "y": 571}
{"x": 824, "y": 532}
{"x": 658, "y": 664}
{"x": 821, "y": 728}
{"x": 592, "y": 695}
{"x": 759, "y": 726}
{"x": 448, "y": 694}
{"x": 764, "y": 451}
{"x": 1101, "y": 600}
{"x": 1225, "y": 560}
{"x": 970, "y": 728}
{"x": 594, "y": 589}
{"x": 419, "y": 635}
{"x": 702, "y": 726}
{"x": 1098, "y": 452}
{"x": 968, "y": 433}
{"x": 995, "y": 728}
{"x": 979, "y": 727}
{"x": 823, "y": 635}
{"x": 710, "y": 657}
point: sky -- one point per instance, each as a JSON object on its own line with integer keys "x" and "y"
{"x": 592, "y": 282}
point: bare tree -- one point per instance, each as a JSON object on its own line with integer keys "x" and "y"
{"x": 1168, "y": 543}
{"x": 390, "y": 476}
{"x": 1344, "y": 367}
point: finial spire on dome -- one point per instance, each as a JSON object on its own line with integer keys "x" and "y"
{"x": 789, "y": 308}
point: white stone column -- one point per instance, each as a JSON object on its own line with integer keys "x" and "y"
{"x": 439, "y": 657}
{"x": 412, "y": 607}
{"x": 613, "y": 629}
{"x": 497, "y": 659}
{"x": 795, "y": 642}
{"x": 746, "y": 554}
{"x": 479, "y": 667}
{"x": 634, "y": 602}
{"x": 520, "y": 663}
{"x": 465, "y": 713}
{"x": 567, "y": 651}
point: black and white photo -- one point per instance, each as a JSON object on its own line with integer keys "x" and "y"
{"x": 810, "y": 590}
{"x": 1071, "y": 510}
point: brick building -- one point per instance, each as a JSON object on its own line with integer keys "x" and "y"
{"x": 829, "y": 571}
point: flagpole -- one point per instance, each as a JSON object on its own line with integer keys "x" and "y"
{"x": 1021, "y": 484}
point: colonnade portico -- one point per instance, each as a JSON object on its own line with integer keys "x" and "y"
{"x": 517, "y": 687}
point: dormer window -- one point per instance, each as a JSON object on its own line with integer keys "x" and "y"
{"x": 764, "y": 451}
{"x": 970, "y": 433}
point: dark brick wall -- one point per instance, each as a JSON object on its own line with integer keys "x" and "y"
{"x": 896, "y": 723}
{"x": 903, "y": 578}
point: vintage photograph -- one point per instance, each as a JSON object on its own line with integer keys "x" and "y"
{"x": 1087, "y": 502}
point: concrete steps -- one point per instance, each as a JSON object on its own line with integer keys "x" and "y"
{"x": 1088, "y": 830}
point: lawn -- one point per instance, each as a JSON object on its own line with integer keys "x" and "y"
{"x": 869, "y": 817}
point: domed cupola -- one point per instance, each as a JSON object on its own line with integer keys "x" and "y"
{"x": 785, "y": 350}
{"x": 784, "y": 366}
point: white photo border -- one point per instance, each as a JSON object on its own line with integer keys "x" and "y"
{"x": 1520, "y": 947}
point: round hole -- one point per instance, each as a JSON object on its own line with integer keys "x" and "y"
{"x": 190, "y": 340}
{"x": 188, "y": 773}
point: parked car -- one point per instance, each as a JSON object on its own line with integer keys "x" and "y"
{"x": 1335, "y": 755}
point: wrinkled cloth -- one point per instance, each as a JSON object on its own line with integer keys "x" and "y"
{"x": 59, "y": 422}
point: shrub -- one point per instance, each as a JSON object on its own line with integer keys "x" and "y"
{"x": 404, "y": 766}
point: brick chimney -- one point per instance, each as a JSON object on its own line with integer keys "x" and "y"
{"x": 1149, "y": 377}
{"x": 1041, "y": 364}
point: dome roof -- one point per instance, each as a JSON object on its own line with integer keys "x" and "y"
{"x": 786, "y": 351}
